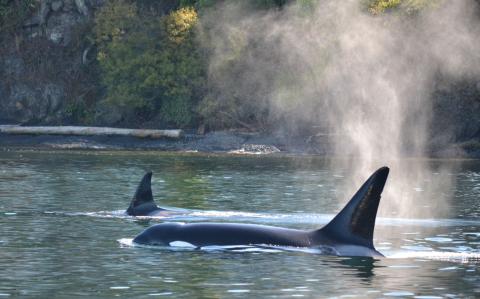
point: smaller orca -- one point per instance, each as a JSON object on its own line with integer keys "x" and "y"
{"x": 142, "y": 203}
{"x": 350, "y": 233}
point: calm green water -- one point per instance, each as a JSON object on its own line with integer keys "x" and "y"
{"x": 63, "y": 233}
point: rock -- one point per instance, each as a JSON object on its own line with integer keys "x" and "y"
{"x": 14, "y": 107}
{"x": 85, "y": 58}
{"x": 220, "y": 141}
{"x": 53, "y": 96}
{"x": 33, "y": 21}
{"x": 61, "y": 26}
{"x": 256, "y": 149}
{"x": 42, "y": 16}
{"x": 13, "y": 66}
{"x": 34, "y": 34}
{"x": 82, "y": 7}
{"x": 57, "y": 5}
{"x": 96, "y": 3}
{"x": 201, "y": 129}
{"x": 55, "y": 36}
{"x": 3, "y": 96}
{"x": 68, "y": 5}
{"x": 44, "y": 11}
{"x": 25, "y": 104}
{"x": 456, "y": 112}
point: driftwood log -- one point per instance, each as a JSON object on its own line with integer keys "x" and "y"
{"x": 90, "y": 131}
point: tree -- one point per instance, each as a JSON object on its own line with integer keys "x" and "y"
{"x": 151, "y": 65}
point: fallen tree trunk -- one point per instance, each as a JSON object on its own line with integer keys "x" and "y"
{"x": 90, "y": 131}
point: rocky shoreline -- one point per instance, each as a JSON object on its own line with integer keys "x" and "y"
{"x": 232, "y": 142}
{"x": 213, "y": 142}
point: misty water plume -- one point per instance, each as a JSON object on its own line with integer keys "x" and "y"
{"x": 365, "y": 81}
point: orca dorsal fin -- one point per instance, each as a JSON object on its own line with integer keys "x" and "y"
{"x": 356, "y": 221}
{"x": 142, "y": 201}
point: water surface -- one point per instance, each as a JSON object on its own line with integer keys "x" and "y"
{"x": 63, "y": 231}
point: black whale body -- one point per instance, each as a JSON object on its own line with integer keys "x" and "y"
{"x": 350, "y": 233}
{"x": 142, "y": 203}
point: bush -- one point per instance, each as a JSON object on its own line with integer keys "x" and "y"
{"x": 14, "y": 12}
{"x": 377, "y": 7}
{"x": 151, "y": 65}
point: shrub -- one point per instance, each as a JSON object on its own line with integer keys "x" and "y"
{"x": 377, "y": 7}
{"x": 151, "y": 65}
{"x": 14, "y": 12}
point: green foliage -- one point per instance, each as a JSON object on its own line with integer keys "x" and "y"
{"x": 77, "y": 112}
{"x": 179, "y": 24}
{"x": 218, "y": 112}
{"x": 113, "y": 22}
{"x": 377, "y": 7}
{"x": 178, "y": 111}
{"x": 151, "y": 65}
{"x": 14, "y": 12}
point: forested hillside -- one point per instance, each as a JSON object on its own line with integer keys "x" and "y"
{"x": 210, "y": 64}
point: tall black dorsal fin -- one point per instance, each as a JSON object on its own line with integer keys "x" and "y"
{"x": 143, "y": 199}
{"x": 356, "y": 221}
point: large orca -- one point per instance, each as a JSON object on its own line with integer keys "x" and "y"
{"x": 350, "y": 233}
{"x": 142, "y": 203}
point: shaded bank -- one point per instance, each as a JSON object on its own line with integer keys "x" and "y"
{"x": 234, "y": 142}
{"x": 222, "y": 141}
